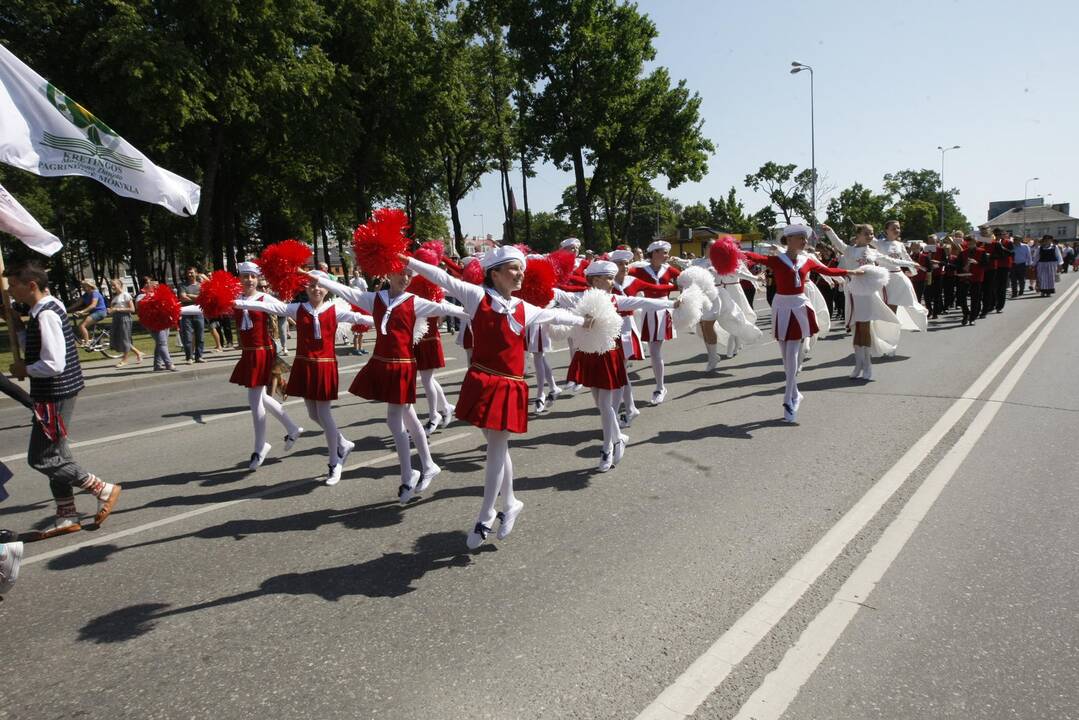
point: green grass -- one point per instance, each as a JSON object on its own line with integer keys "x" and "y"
{"x": 140, "y": 339}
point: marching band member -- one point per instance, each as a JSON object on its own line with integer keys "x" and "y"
{"x": 792, "y": 319}
{"x": 494, "y": 394}
{"x": 658, "y": 325}
{"x": 390, "y": 375}
{"x": 254, "y": 369}
{"x": 314, "y": 371}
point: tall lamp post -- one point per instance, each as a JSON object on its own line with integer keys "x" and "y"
{"x": 1026, "y": 187}
{"x": 797, "y": 67}
{"x": 942, "y": 195}
{"x": 483, "y": 230}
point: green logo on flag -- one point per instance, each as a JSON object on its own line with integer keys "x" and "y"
{"x": 99, "y": 136}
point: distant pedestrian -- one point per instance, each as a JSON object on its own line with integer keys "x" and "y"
{"x": 122, "y": 309}
{"x": 1049, "y": 262}
{"x": 193, "y": 326}
{"x": 91, "y": 305}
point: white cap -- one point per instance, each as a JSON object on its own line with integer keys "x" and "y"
{"x": 601, "y": 267}
{"x": 319, "y": 274}
{"x": 621, "y": 255}
{"x": 798, "y": 230}
{"x": 658, "y": 245}
{"x": 571, "y": 242}
{"x": 500, "y": 256}
{"x": 248, "y": 268}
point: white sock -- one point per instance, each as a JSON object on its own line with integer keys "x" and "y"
{"x": 655, "y": 352}
{"x": 278, "y": 411}
{"x": 498, "y": 475}
{"x": 319, "y": 412}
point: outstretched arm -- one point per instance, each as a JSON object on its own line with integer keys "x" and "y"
{"x": 359, "y": 298}
{"x": 470, "y": 295}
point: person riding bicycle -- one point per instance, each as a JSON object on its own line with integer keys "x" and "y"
{"x": 91, "y": 307}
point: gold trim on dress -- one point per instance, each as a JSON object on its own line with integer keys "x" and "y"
{"x": 489, "y": 371}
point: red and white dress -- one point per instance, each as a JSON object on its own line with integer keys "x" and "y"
{"x": 257, "y": 351}
{"x": 631, "y": 335}
{"x": 428, "y": 350}
{"x": 658, "y": 325}
{"x": 390, "y": 375}
{"x": 793, "y": 317}
{"x": 494, "y": 394}
{"x": 314, "y": 368}
{"x": 607, "y": 371}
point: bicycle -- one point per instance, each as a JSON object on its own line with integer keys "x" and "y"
{"x": 98, "y": 342}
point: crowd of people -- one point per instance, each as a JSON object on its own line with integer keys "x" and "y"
{"x": 611, "y": 309}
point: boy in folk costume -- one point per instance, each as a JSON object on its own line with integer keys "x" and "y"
{"x": 52, "y": 364}
{"x": 658, "y": 326}
{"x": 792, "y": 316}
{"x": 605, "y": 373}
{"x": 390, "y": 375}
{"x": 314, "y": 370}
{"x": 494, "y": 394}
{"x": 254, "y": 370}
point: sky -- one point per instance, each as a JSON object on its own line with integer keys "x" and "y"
{"x": 893, "y": 80}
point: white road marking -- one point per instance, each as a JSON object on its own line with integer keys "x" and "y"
{"x": 217, "y": 506}
{"x": 190, "y": 423}
{"x": 682, "y": 697}
{"x": 781, "y": 686}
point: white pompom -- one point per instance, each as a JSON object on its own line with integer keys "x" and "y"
{"x": 419, "y": 330}
{"x": 873, "y": 281}
{"x": 700, "y": 277}
{"x": 558, "y": 333}
{"x": 688, "y": 314}
{"x": 606, "y": 325}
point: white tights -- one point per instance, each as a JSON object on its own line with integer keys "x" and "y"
{"x": 544, "y": 376}
{"x": 498, "y": 478}
{"x": 436, "y": 398}
{"x": 627, "y": 397}
{"x": 655, "y": 353}
{"x": 260, "y": 403}
{"x": 789, "y": 350}
{"x": 403, "y": 423}
{"x": 319, "y": 411}
{"x": 607, "y": 404}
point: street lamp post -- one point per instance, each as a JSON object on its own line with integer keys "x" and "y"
{"x": 942, "y": 196}
{"x": 483, "y": 230}
{"x": 797, "y": 67}
{"x": 1026, "y": 187}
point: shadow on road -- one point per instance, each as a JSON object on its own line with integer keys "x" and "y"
{"x": 391, "y": 575}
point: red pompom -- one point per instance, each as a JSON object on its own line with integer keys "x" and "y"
{"x": 425, "y": 255}
{"x": 525, "y": 250}
{"x": 436, "y": 247}
{"x": 218, "y": 293}
{"x": 725, "y": 255}
{"x": 563, "y": 262}
{"x": 473, "y": 273}
{"x": 159, "y": 309}
{"x": 537, "y": 287}
{"x": 377, "y": 243}
{"x": 281, "y": 265}
{"x": 424, "y": 288}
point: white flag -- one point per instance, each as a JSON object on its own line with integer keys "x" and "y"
{"x": 16, "y": 220}
{"x": 44, "y": 131}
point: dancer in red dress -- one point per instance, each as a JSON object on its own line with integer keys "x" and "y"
{"x": 792, "y": 315}
{"x": 658, "y": 326}
{"x": 605, "y": 373}
{"x": 314, "y": 370}
{"x": 390, "y": 375}
{"x": 494, "y": 394}
{"x": 255, "y": 367}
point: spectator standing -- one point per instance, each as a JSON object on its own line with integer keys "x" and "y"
{"x": 1019, "y": 268}
{"x": 122, "y": 310}
{"x": 193, "y": 326}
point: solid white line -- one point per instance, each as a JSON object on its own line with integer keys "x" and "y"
{"x": 191, "y": 423}
{"x": 782, "y": 685}
{"x": 216, "y": 506}
{"x": 682, "y": 697}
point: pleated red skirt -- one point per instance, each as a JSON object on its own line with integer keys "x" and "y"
{"x": 254, "y": 368}
{"x": 313, "y": 379}
{"x": 429, "y": 354}
{"x": 388, "y": 381}
{"x": 494, "y": 402}
{"x": 606, "y": 371}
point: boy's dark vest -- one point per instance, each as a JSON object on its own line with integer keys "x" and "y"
{"x": 69, "y": 382}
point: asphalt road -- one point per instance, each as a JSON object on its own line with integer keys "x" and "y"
{"x": 212, "y": 592}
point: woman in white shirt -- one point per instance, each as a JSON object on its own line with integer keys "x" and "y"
{"x": 122, "y": 308}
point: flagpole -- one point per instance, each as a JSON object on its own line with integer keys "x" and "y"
{"x": 12, "y": 336}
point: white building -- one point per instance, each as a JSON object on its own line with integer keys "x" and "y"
{"x": 1036, "y": 222}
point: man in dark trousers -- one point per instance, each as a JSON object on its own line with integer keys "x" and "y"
{"x": 1005, "y": 250}
{"x": 52, "y": 364}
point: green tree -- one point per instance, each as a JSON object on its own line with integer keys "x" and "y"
{"x": 907, "y": 187}
{"x": 787, "y": 190}
{"x": 695, "y": 215}
{"x": 855, "y": 205}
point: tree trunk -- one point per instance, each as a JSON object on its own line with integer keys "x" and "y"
{"x": 583, "y": 207}
{"x": 455, "y": 214}
{"x": 524, "y": 197}
{"x": 325, "y": 235}
{"x": 209, "y": 181}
